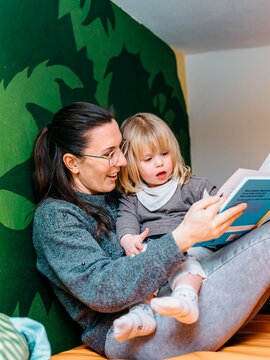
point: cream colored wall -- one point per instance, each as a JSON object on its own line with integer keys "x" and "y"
{"x": 229, "y": 110}
{"x": 181, "y": 71}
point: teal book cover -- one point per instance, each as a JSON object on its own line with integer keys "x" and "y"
{"x": 255, "y": 192}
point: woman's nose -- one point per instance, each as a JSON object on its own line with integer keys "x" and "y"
{"x": 122, "y": 161}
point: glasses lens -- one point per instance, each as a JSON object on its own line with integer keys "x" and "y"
{"x": 124, "y": 147}
{"x": 114, "y": 156}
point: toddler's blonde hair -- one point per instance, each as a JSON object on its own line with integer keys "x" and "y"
{"x": 147, "y": 129}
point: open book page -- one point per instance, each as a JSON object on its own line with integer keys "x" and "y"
{"x": 266, "y": 165}
{"x": 228, "y": 187}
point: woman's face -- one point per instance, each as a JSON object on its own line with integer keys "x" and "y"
{"x": 95, "y": 175}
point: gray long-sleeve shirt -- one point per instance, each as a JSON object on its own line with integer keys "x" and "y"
{"x": 133, "y": 217}
{"x": 93, "y": 279}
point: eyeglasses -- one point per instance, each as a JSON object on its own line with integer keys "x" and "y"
{"x": 113, "y": 156}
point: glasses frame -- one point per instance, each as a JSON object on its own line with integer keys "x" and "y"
{"x": 107, "y": 157}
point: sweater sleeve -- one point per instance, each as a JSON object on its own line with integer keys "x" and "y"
{"x": 76, "y": 263}
{"x": 127, "y": 219}
{"x": 210, "y": 188}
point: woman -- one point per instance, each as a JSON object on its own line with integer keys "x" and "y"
{"x": 77, "y": 160}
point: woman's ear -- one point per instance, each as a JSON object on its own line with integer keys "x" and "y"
{"x": 72, "y": 163}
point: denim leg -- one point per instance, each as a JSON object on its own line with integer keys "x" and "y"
{"x": 238, "y": 282}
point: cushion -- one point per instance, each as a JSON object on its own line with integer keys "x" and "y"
{"x": 12, "y": 344}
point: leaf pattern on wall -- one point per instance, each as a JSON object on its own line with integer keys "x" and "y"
{"x": 102, "y": 10}
{"x": 157, "y": 98}
{"x": 15, "y": 118}
{"x": 19, "y": 274}
{"x": 19, "y": 180}
{"x": 127, "y": 95}
{"x": 10, "y": 217}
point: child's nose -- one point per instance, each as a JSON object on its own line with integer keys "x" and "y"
{"x": 159, "y": 161}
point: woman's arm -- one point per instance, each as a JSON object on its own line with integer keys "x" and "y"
{"x": 96, "y": 273}
{"x": 204, "y": 222}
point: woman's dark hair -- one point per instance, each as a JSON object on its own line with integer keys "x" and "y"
{"x": 67, "y": 134}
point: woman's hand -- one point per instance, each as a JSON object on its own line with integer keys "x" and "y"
{"x": 204, "y": 222}
{"x": 132, "y": 244}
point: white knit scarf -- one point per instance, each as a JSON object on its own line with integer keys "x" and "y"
{"x": 156, "y": 197}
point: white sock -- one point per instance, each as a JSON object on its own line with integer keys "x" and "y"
{"x": 140, "y": 321}
{"x": 181, "y": 305}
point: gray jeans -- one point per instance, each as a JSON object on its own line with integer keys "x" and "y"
{"x": 237, "y": 285}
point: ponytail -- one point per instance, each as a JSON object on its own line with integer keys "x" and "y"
{"x": 43, "y": 173}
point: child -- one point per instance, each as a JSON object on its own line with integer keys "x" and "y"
{"x": 158, "y": 190}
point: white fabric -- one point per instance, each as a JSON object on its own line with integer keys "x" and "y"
{"x": 190, "y": 266}
{"x": 156, "y": 197}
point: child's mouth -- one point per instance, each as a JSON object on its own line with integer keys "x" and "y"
{"x": 161, "y": 175}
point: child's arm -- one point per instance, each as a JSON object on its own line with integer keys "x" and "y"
{"x": 127, "y": 219}
{"x": 128, "y": 226}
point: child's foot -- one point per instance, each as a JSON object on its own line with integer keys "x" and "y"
{"x": 181, "y": 305}
{"x": 140, "y": 321}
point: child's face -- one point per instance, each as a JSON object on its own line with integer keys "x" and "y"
{"x": 155, "y": 168}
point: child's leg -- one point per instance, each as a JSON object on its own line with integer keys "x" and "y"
{"x": 139, "y": 321}
{"x": 183, "y": 302}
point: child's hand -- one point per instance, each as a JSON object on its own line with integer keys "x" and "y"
{"x": 132, "y": 244}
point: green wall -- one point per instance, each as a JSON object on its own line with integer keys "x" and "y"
{"x": 54, "y": 52}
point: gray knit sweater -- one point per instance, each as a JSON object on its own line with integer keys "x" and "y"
{"x": 133, "y": 217}
{"x": 93, "y": 279}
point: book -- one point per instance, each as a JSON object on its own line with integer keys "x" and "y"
{"x": 245, "y": 186}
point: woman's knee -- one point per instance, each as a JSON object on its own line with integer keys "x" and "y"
{"x": 251, "y": 249}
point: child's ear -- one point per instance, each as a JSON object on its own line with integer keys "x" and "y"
{"x": 72, "y": 163}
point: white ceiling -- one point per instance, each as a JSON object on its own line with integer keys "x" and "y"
{"x": 195, "y": 26}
